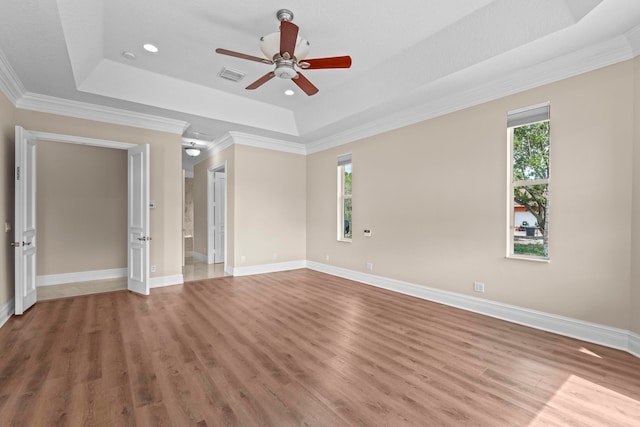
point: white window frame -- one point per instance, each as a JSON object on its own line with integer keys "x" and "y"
{"x": 521, "y": 117}
{"x": 343, "y": 161}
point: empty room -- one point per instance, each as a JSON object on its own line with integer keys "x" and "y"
{"x": 277, "y": 213}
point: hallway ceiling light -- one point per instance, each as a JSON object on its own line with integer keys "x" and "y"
{"x": 192, "y": 151}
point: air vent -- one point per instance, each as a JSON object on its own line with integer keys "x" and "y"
{"x": 229, "y": 74}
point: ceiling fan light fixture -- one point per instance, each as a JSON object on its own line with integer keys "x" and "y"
{"x": 270, "y": 46}
{"x": 285, "y": 71}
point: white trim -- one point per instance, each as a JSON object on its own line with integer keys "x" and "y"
{"x": 199, "y": 256}
{"x": 633, "y": 37}
{"x": 266, "y": 268}
{"x": 84, "y": 110}
{"x": 162, "y": 281}
{"x": 634, "y": 344}
{"x": 81, "y": 140}
{"x": 188, "y": 173}
{"x": 258, "y": 141}
{"x": 6, "y": 311}
{"x": 586, "y": 331}
{"x": 10, "y": 83}
{"x": 80, "y": 276}
{"x": 220, "y": 144}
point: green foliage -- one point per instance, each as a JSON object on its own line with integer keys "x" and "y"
{"x": 531, "y": 152}
{"x": 530, "y": 249}
{"x": 531, "y": 162}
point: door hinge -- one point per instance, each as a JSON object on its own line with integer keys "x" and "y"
{"x": 18, "y": 173}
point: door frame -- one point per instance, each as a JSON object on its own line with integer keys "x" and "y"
{"x": 221, "y": 167}
{"x": 80, "y": 140}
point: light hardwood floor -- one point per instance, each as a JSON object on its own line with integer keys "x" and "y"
{"x": 299, "y": 348}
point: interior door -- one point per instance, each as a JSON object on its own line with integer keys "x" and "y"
{"x": 218, "y": 215}
{"x": 138, "y": 220}
{"x": 25, "y": 221}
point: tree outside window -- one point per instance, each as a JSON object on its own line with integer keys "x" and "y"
{"x": 530, "y": 205}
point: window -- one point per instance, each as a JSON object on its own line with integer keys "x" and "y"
{"x": 345, "y": 225}
{"x": 528, "y": 137}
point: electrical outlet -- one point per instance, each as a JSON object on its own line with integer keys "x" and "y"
{"x": 326, "y": 257}
{"x": 478, "y": 287}
{"x": 243, "y": 259}
{"x": 274, "y": 256}
{"x": 370, "y": 266}
{"x": 153, "y": 268}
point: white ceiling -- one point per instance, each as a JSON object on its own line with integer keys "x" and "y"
{"x": 412, "y": 59}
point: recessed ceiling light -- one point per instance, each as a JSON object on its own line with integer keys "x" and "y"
{"x": 289, "y": 92}
{"x": 129, "y": 55}
{"x": 150, "y": 48}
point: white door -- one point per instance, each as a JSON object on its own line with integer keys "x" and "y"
{"x": 25, "y": 221}
{"x": 138, "y": 225}
{"x": 218, "y": 215}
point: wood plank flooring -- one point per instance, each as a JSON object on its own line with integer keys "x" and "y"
{"x": 299, "y": 348}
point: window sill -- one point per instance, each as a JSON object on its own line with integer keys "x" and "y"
{"x": 530, "y": 259}
{"x": 344, "y": 240}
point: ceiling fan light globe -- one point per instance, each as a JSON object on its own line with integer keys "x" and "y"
{"x": 270, "y": 46}
{"x": 192, "y": 152}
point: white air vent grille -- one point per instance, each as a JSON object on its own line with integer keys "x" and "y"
{"x": 229, "y": 74}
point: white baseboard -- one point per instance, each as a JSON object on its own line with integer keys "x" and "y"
{"x": 6, "y": 311}
{"x": 81, "y": 276}
{"x": 162, "y": 281}
{"x": 592, "y": 332}
{"x": 634, "y": 344}
{"x": 266, "y": 268}
{"x": 228, "y": 270}
{"x": 200, "y": 257}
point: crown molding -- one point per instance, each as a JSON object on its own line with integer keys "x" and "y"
{"x": 610, "y": 52}
{"x": 633, "y": 38}
{"x": 257, "y": 141}
{"x": 220, "y": 144}
{"x": 85, "y": 110}
{"x": 10, "y": 84}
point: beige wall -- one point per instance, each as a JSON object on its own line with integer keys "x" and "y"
{"x": 266, "y": 205}
{"x": 187, "y": 219}
{"x": 270, "y": 206}
{"x": 166, "y": 177}
{"x": 200, "y": 201}
{"x": 635, "y": 218}
{"x": 434, "y": 196}
{"x": 81, "y": 204}
{"x": 6, "y": 198}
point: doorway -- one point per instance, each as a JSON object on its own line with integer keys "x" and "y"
{"x": 25, "y": 212}
{"x": 213, "y": 263}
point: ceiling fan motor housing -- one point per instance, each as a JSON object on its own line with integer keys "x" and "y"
{"x": 284, "y": 70}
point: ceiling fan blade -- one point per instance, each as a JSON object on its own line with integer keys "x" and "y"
{"x": 262, "y": 80}
{"x": 243, "y": 56}
{"x": 305, "y": 85}
{"x": 333, "y": 62}
{"x": 288, "y": 37}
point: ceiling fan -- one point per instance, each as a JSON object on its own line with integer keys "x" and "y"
{"x": 288, "y": 51}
